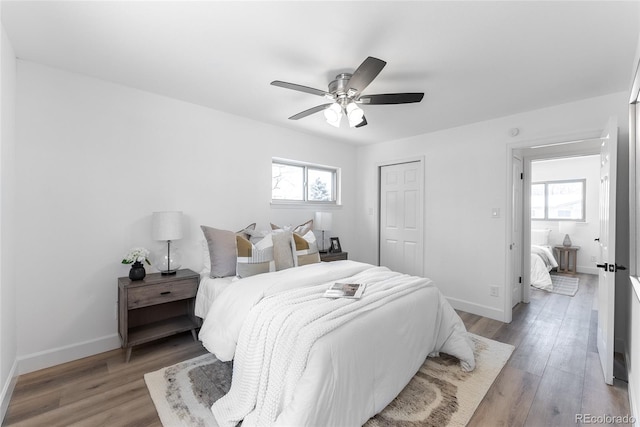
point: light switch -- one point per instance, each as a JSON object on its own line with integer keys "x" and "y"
{"x": 495, "y": 213}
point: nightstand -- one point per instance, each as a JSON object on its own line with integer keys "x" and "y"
{"x": 333, "y": 256}
{"x": 156, "y": 307}
{"x": 565, "y": 253}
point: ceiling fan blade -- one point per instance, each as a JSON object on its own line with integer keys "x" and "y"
{"x": 366, "y": 72}
{"x": 392, "y": 98}
{"x": 310, "y": 111}
{"x": 362, "y": 123}
{"x": 300, "y": 88}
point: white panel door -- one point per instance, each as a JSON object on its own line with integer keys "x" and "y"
{"x": 607, "y": 275}
{"x": 401, "y": 246}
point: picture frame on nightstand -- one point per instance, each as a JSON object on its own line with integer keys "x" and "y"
{"x": 335, "y": 247}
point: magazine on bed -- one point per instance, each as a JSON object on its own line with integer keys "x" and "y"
{"x": 345, "y": 290}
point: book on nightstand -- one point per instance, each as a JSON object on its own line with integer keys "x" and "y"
{"x": 345, "y": 290}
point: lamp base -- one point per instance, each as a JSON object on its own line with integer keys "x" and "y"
{"x": 168, "y": 272}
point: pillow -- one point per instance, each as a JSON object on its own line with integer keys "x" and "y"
{"x": 301, "y": 229}
{"x": 222, "y": 250}
{"x": 305, "y": 249}
{"x": 540, "y": 237}
{"x": 253, "y": 258}
{"x": 282, "y": 253}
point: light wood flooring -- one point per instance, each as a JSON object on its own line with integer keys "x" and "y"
{"x": 553, "y": 374}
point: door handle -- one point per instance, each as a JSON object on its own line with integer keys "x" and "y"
{"x": 597, "y": 239}
{"x": 611, "y": 267}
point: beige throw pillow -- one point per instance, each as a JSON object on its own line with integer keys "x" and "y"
{"x": 282, "y": 252}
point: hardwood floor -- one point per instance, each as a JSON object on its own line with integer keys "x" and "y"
{"x": 553, "y": 375}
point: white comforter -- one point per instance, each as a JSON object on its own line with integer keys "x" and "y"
{"x": 542, "y": 261}
{"x": 341, "y": 369}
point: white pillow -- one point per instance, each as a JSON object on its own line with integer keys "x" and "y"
{"x": 540, "y": 237}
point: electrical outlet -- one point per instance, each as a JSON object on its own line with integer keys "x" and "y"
{"x": 494, "y": 291}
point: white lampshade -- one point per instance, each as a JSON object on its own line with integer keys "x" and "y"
{"x": 166, "y": 225}
{"x": 354, "y": 114}
{"x": 322, "y": 221}
{"x": 333, "y": 114}
{"x": 567, "y": 227}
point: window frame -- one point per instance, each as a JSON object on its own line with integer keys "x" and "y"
{"x": 583, "y": 181}
{"x": 335, "y": 183}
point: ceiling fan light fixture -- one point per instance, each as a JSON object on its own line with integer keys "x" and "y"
{"x": 354, "y": 114}
{"x": 333, "y": 114}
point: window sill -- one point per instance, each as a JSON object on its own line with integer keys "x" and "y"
{"x": 305, "y": 205}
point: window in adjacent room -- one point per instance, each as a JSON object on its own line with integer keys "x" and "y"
{"x": 558, "y": 200}
{"x": 303, "y": 182}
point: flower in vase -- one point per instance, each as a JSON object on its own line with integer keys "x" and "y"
{"x": 136, "y": 255}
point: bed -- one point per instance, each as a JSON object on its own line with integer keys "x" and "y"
{"x": 302, "y": 359}
{"x": 542, "y": 259}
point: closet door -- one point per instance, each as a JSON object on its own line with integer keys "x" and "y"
{"x": 401, "y": 213}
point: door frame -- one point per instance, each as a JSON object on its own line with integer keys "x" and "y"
{"x": 566, "y": 145}
{"x": 378, "y": 217}
{"x": 516, "y": 236}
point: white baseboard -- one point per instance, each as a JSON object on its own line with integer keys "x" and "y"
{"x": 587, "y": 270}
{"x": 7, "y": 390}
{"x": 45, "y": 359}
{"x": 480, "y": 310}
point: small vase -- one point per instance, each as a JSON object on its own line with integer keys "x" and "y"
{"x": 137, "y": 271}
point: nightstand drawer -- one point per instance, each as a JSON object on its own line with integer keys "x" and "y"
{"x": 160, "y": 293}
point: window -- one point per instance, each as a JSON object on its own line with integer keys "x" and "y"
{"x": 301, "y": 182}
{"x": 558, "y": 200}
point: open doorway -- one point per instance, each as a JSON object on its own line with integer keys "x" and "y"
{"x": 564, "y": 200}
{"x": 606, "y": 145}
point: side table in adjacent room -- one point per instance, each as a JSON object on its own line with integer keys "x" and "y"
{"x": 567, "y": 259}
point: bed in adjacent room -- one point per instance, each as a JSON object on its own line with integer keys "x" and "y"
{"x": 301, "y": 358}
{"x": 542, "y": 259}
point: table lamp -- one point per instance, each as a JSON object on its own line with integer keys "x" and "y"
{"x": 167, "y": 226}
{"x": 322, "y": 222}
{"x": 566, "y": 228}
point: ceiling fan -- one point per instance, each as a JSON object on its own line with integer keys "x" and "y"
{"x": 345, "y": 93}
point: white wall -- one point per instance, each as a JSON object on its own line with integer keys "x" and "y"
{"x": 8, "y": 327}
{"x": 465, "y": 178}
{"x": 95, "y": 159}
{"x": 584, "y": 167}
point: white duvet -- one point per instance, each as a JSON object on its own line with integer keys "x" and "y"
{"x": 339, "y": 369}
{"x": 542, "y": 261}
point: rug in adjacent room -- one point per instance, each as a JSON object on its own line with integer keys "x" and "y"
{"x": 564, "y": 285}
{"x": 440, "y": 394}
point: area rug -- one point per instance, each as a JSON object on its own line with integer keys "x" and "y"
{"x": 440, "y": 394}
{"x": 564, "y": 285}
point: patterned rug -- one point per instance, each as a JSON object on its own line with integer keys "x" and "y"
{"x": 564, "y": 285}
{"x": 440, "y": 394}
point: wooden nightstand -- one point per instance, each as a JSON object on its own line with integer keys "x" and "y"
{"x": 565, "y": 253}
{"x": 156, "y": 307}
{"x": 331, "y": 256}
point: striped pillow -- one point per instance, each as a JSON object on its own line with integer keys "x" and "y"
{"x": 254, "y": 258}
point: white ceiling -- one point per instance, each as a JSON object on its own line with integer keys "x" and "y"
{"x": 474, "y": 60}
